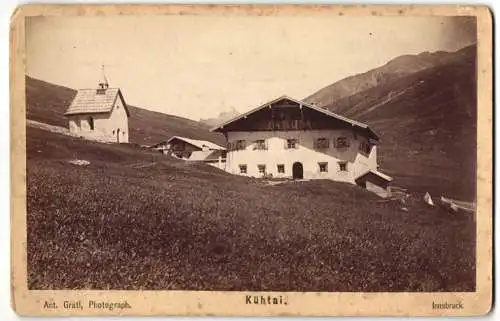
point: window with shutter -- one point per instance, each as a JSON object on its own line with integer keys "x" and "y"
{"x": 291, "y": 143}
{"x": 323, "y": 167}
{"x": 260, "y": 145}
{"x": 341, "y": 142}
{"x": 240, "y": 145}
{"x": 321, "y": 143}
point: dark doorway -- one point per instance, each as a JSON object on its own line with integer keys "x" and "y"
{"x": 298, "y": 171}
{"x": 118, "y": 135}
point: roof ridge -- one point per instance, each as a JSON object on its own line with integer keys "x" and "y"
{"x": 376, "y": 172}
{"x": 89, "y": 101}
{"x": 192, "y": 140}
{"x": 302, "y": 103}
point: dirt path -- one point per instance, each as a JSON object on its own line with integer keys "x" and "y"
{"x": 50, "y": 128}
{"x": 274, "y": 183}
{"x": 61, "y": 130}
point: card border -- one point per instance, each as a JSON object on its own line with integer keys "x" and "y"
{"x": 192, "y": 303}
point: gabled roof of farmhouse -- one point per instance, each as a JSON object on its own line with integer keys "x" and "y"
{"x": 376, "y": 173}
{"x": 302, "y": 104}
{"x": 95, "y": 101}
{"x": 198, "y": 143}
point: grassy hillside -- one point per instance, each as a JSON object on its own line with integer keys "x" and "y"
{"x": 47, "y": 103}
{"x": 427, "y": 124}
{"x": 148, "y": 127}
{"x": 396, "y": 68}
{"x": 133, "y": 219}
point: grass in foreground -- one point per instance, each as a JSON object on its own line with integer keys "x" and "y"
{"x": 175, "y": 226}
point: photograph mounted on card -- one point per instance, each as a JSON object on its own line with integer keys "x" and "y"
{"x": 251, "y": 160}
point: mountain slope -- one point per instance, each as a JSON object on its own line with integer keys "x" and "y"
{"x": 396, "y": 68}
{"x": 427, "y": 124}
{"x": 222, "y": 117}
{"x": 47, "y": 103}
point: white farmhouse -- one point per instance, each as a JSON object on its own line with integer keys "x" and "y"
{"x": 99, "y": 114}
{"x": 289, "y": 138}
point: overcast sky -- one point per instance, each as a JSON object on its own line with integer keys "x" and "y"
{"x": 198, "y": 66}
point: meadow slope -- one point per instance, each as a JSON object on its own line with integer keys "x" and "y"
{"x": 133, "y": 219}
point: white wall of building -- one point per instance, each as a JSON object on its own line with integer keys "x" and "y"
{"x": 109, "y": 127}
{"x": 220, "y": 164}
{"x": 305, "y": 153}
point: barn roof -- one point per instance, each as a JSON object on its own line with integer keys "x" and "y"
{"x": 208, "y": 155}
{"x": 89, "y": 101}
{"x": 198, "y": 143}
{"x": 376, "y": 173}
{"x": 303, "y": 104}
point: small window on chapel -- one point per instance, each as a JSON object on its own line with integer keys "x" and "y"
{"x": 243, "y": 168}
{"x": 323, "y": 167}
{"x": 262, "y": 169}
{"x": 281, "y": 168}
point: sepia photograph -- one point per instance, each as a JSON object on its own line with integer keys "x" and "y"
{"x": 256, "y": 153}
